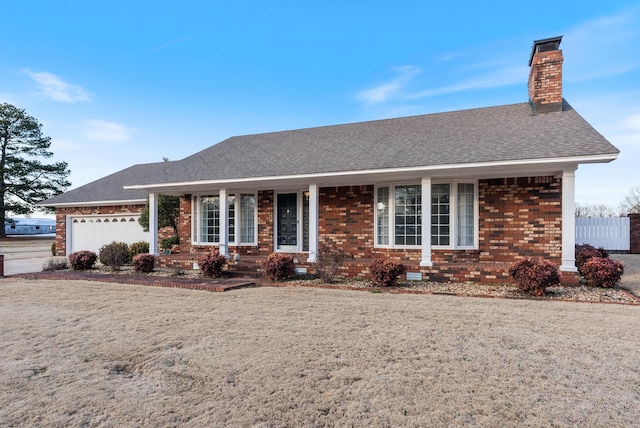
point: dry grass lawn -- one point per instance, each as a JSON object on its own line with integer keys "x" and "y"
{"x": 109, "y": 355}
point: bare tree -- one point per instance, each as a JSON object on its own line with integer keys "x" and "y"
{"x": 594, "y": 210}
{"x": 631, "y": 203}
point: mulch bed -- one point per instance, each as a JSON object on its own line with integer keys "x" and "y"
{"x": 195, "y": 281}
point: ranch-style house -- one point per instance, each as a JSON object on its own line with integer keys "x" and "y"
{"x": 456, "y": 196}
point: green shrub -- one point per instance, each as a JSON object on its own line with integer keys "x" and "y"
{"x": 385, "y": 272}
{"x": 586, "y": 252}
{"x": 534, "y": 276}
{"x": 212, "y": 264}
{"x": 82, "y": 260}
{"x": 602, "y": 272}
{"x": 169, "y": 242}
{"x": 279, "y": 267}
{"x": 115, "y": 255}
{"x": 56, "y": 263}
{"x": 329, "y": 259}
{"x": 140, "y": 247}
{"x": 144, "y": 262}
{"x": 53, "y": 248}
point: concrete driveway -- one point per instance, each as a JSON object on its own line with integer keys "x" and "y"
{"x": 25, "y": 254}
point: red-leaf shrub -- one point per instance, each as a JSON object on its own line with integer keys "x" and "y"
{"x": 279, "y": 267}
{"x": 144, "y": 262}
{"x": 586, "y": 252}
{"x": 534, "y": 276}
{"x": 602, "y": 272}
{"x": 385, "y": 272}
{"x": 83, "y": 260}
{"x": 212, "y": 264}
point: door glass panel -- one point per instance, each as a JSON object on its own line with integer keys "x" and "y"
{"x": 287, "y": 219}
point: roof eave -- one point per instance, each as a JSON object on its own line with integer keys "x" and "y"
{"x": 435, "y": 169}
{"x": 94, "y": 203}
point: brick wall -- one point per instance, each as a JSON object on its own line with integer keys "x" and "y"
{"x": 62, "y": 213}
{"x": 517, "y": 217}
{"x": 520, "y": 217}
{"x": 634, "y": 220}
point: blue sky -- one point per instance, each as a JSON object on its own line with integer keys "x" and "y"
{"x": 116, "y": 83}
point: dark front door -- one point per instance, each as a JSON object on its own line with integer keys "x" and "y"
{"x": 287, "y": 221}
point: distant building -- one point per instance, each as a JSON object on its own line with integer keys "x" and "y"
{"x": 30, "y": 226}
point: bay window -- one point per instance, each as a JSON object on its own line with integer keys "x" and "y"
{"x": 241, "y": 216}
{"x": 453, "y": 215}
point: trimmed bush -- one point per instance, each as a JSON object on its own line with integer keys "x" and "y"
{"x": 144, "y": 262}
{"x": 53, "y": 248}
{"x": 115, "y": 255}
{"x": 602, "y": 272}
{"x": 279, "y": 267}
{"x": 139, "y": 247}
{"x": 56, "y": 263}
{"x": 534, "y": 276}
{"x": 385, "y": 272}
{"x": 586, "y": 252}
{"x": 212, "y": 264}
{"x": 83, "y": 260}
{"x": 329, "y": 259}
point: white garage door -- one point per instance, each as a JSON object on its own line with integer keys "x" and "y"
{"x": 92, "y": 232}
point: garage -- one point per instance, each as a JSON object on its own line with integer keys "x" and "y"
{"x": 90, "y": 232}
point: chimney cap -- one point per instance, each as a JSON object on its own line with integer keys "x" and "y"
{"x": 545, "y": 45}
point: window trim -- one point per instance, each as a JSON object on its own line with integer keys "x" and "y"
{"x": 453, "y": 215}
{"x": 196, "y": 227}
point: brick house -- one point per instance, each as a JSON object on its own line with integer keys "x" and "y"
{"x": 457, "y": 196}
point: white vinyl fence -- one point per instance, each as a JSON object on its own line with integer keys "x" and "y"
{"x": 613, "y": 233}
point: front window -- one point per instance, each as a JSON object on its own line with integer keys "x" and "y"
{"x": 241, "y": 216}
{"x": 408, "y": 218}
{"x": 453, "y": 215}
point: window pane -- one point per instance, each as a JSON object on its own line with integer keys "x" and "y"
{"x": 382, "y": 209}
{"x": 408, "y": 212}
{"x": 210, "y": 218}
{"x": 247, "y": 218}
{"x": 465, "y": 214}
{"x": 440, "y": 194}
{"x": 231, "y": 201}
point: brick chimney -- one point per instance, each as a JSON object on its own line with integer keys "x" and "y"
{"x": 545, "y": 76}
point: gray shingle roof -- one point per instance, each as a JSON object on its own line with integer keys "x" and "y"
{"x": 490, "y": 134}
{"x": 109, "y": 188}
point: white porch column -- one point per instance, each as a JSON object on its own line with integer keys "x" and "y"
{"x": 313, "y": 223}
{"x": 153, "y": 223}
{"x": 223, "y": 245}
{"x": 568, "y": 220}
{"x": 426, "y": 222}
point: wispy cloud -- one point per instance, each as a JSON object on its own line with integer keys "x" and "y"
{"x": 107, "y": 132}
{"x": 56, "y": 89}
{"x": 606, "y": 46}
{"x": 491, "y": 79}
{"x": 391, "y": 89}
{"x": 174, "y": 42}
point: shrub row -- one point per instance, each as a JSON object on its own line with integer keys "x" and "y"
{"x": 533, "y": 276}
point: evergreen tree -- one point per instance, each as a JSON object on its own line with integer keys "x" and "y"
{"x": 24, "y": 179}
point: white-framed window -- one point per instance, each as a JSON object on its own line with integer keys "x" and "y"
{"x": 454, "y": 215}
{"x": 241, "y": 214}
